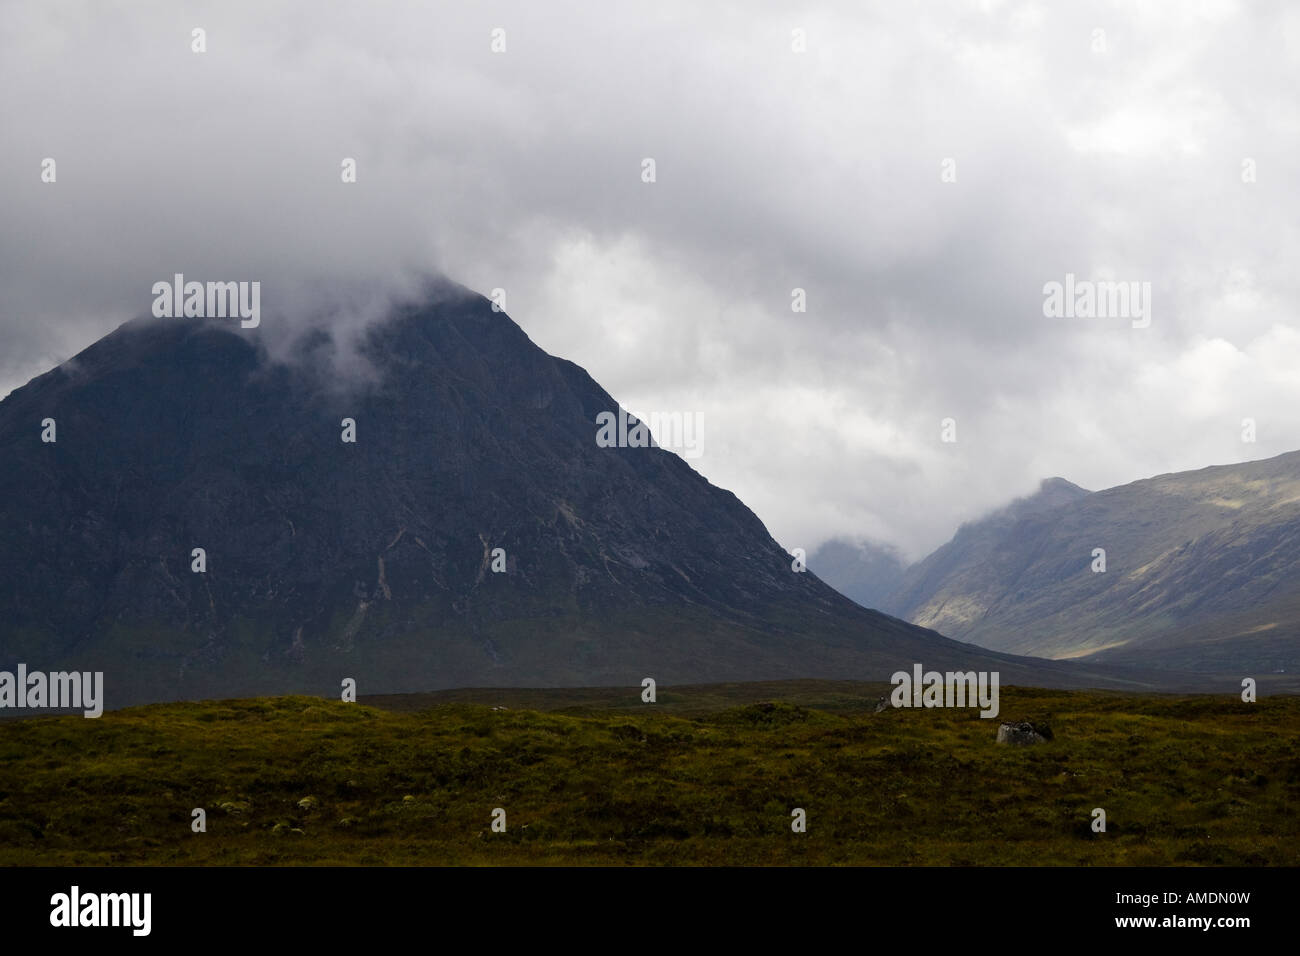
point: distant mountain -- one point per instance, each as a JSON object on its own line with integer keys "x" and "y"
{"x": 1202, "y": 573}
{"x": 374, "y": 559}
{"x": 864, "y": 571}
{"x": 957, "y": 583}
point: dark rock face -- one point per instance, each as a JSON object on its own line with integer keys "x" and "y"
{"x": 372, "y": 559}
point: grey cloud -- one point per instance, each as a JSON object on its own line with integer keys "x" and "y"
{"x": 775, "y": 170}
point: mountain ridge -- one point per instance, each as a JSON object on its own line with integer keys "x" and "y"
{"x": 1200, "y": 572}
{"x": 373, "y": 559}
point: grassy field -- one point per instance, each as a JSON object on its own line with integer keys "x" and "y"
{"x": 707, "y": 775}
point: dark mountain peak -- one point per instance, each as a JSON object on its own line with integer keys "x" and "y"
{"x": 418, "y": 501}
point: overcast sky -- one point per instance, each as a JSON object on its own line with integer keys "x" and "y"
{"x": 1118, "y": 154}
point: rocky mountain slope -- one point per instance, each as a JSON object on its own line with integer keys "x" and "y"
{"x": 373, "y": 559}
{"x": 1202, "y": 572}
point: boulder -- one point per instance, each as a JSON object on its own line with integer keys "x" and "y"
{"x": 1020, "y": 733}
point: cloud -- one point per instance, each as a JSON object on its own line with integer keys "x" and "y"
{"x": 775, "y": 170}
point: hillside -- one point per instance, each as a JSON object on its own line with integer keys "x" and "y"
{"x": 1202, "y": 573}
{"x": 373, "y": 559}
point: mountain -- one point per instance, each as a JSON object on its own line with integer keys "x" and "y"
{"x": 1202, "y": 573}
{"x": 956, "y": 584}
{"x": 866, "y": 572}
{"x": 373, "y": 559}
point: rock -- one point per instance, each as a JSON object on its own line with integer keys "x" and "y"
{"x": 1020, "y": 734}
{"x": 308, "y": 803}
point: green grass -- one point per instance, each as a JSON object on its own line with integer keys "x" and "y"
{"x": 707, "y": 775}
